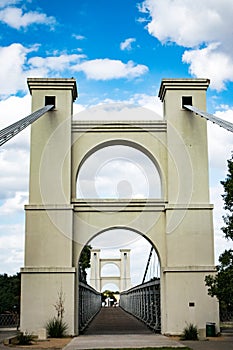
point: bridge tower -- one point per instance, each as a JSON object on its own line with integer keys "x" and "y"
{"x": 123, "y": 280}
{"x": 49, "y": 268}
{"x": 178, "y": 224}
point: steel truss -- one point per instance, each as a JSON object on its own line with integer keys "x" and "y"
{"x": 223, "y": 123}
{"x": 12, "y": 130}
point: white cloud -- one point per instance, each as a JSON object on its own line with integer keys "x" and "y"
{"x": 4, "y": 3}
{"x": 16, "y": 67}
{"x": 127, "y": 44}
{"x": 14, "y": 204}
{"x": 220, "y": 147}
{"x": 212, "y": 63}
{"x": 190, "y": 23}
{"x": 138, "y": 107}
{"x": 78, "y": 37}
{"x": 55, "y": 63}
{"x": 14, "y": 168}
{"x": 12, "y": 73}
{"x": 106, "y": 69}
{"x": 14, "y": 155}
{"x": 11, "y": 247}
{"x": 220, "y": 143}
{"x": 15, "y": 18}
{"x": 13, "y": 109}
{"x": 149, "y": 102}
{"x": 196, "y": 24}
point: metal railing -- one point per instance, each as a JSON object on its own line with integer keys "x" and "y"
{"x": 9, "y": 320}
{"x": 89, "y": 304}
{"x": 226, "y": 316}
{"x": 143, "y": 302}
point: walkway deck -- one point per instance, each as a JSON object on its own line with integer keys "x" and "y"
{"x": 113, "y": 320}
{"x": 114, "y": 328}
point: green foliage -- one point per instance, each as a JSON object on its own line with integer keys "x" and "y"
{"x": 84, "y": 262}
{"x": 24, "y": 339}
{"x": 9, "y": 293}
{"x": 56, "y": 328}
{"x": 190, "y": 332}
{"x": 221, "y": 285}
{"x": 228, "y": 201}
{"x": 109, "y": 294}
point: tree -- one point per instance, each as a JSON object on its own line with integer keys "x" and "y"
{"x": 221, "y": 285}
{"x": 228, "y": 200}
{"x": 84, "y": 262}
{"x": 9, "y": 293}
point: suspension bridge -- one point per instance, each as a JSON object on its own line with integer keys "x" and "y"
{"x": 58, "y": 150}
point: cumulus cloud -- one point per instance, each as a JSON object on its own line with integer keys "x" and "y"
{"x": 98, "y": 69}
{"x": 12, "y": 73}
{"x": 14, "y": 169}
{"x": 14, "y": 155}
{"x": 210, "y": 62}
{"x": 203, "y": 26}
{"x": 14, "y": 204}
{"x": 137, "y": 107}
{"x": 220, "y": 142}
{"x": 15, "y": 18}
{"x": 127, "y": 44}
{"x": 4, "y": 3}
{"x": 55, "y": 63}
{"x": 16, "y": 67}
{"x": 11, "y": 246}
{"x": 106, "y": 69}
{"x": 220, "y": 148}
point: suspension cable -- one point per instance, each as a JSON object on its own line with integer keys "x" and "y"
{"x": 10, "y": 131}
{"x": 147, "y": 265}
{"x": 223, "y": 123}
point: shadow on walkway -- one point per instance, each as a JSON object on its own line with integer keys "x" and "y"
{"x": 114, "y": 320}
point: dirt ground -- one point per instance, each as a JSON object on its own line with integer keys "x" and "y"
{"x": 52, "y": 343}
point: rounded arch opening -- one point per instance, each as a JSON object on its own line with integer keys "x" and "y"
{"x": 124, "y": 242}
{"x": 109, "y": 242}
{"x": 119, "y": 169}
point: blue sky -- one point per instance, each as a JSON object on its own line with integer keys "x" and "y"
{"x": 118, "y": 51}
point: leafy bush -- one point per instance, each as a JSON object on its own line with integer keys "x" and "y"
{"x": 190, "y": 333}
{"x": 56, "y": 328}
{"x": 24, "y": 339}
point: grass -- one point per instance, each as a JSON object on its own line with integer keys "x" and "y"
{"x": 190, "y": 333}
{"x": 56, "y": 328}
{"x": 24, "y": 339}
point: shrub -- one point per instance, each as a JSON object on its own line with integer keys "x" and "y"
{"x": 24, "y": 339}
{"x": 56, "y": 328}
{"x": 190, "y": 333}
